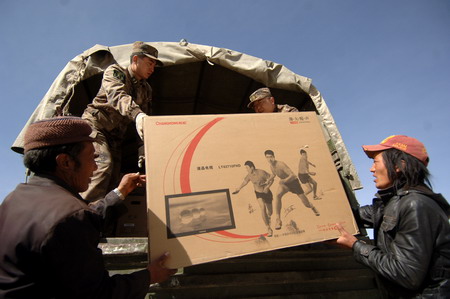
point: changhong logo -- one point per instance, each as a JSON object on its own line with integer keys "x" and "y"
{"x": 170, "y": 123}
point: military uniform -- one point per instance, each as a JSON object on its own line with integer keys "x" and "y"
{"x": 263, "y": 93}
{"x": 120, "y": 99}
{"x": 286, "y": 108}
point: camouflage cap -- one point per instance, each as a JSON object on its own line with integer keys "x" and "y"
{"x": 147, "y": 50}
{"x": 258, "y": 95}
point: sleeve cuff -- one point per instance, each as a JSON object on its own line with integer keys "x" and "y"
{"x": 119, "y": 194}
{"x": 362, "y": 250}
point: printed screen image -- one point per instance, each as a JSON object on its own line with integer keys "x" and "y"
{"x": 198, "y": 213}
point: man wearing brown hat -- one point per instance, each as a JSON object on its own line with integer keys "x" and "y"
{"x": 124, "y": 97}
{"x": 262, "y": 101}
{"x": 49, "y": 234}
{"x": 411, "y": 254}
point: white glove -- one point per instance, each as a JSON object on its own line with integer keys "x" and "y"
{"x": 140, "y": 124}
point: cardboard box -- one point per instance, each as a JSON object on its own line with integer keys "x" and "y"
{"x": 133, "y": 222}
{"x": 194, "y": 165}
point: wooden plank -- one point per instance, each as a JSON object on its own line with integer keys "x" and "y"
{"x": 255, "y": 288}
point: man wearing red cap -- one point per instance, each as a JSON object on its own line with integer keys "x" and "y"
{"x": 49, "y": 234}
{"x": 411, "y": 254}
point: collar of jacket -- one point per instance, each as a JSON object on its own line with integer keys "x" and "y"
{"x": 386, "y": 194}
{"x": 57, "y": 181}
{"x": 133, "y": 78}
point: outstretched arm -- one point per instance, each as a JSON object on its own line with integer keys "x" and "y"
{"x": 269, "y": 182}
{"x": 128, "y": 183}
{"x": 244, "y": 183}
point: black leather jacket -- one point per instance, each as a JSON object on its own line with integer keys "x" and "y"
{"x": 412, "y": 243}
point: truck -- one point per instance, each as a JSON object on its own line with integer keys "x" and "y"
{"x": 201, "y": 79}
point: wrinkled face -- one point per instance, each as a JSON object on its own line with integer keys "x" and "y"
{"x": 379, "y": 170}
{"x": 81, "y": 175}
{"x": 143, "y": 67}
{"x": 265, "y": 105}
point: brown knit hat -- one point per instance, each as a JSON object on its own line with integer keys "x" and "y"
{"x": 56, "y": 131}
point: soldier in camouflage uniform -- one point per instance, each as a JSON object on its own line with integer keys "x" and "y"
{"x": 124, "y": 97}
{"x": 262, "y": 101}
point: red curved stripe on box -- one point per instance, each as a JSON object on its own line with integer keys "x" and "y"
{"x": 185, "y": 181}
{"x": 235, "y": 236}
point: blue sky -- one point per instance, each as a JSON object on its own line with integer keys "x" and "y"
{"x": 382, "y": 66}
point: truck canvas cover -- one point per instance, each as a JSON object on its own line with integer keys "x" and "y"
{"x": 195, "y": 79}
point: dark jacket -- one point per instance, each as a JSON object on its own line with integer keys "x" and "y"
{"x": 412, "y": 243}
{"x": 49, "y": 247}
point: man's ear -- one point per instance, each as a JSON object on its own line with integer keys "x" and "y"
{"x": 134, "y": 58}
{"x": 272, "y": 100}
{"x": 403, "y": 165}
{"x": 64, "y": 162}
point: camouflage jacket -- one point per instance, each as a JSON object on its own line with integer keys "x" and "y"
{"x": 120, "y": 99}
{"x": 286, "y": 108}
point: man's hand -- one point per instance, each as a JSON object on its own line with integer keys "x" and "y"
{"x": 159, "y": 273}
{"x": 140, "y": 124}
{"x": 266, "y": 189}
{"x": 346, "y": 239}
{"x": 130, "y": 181}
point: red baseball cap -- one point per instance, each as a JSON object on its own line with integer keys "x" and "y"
{"x": 403, "y": 143}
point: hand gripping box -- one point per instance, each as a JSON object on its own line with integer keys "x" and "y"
{"x": 220, "y": 186}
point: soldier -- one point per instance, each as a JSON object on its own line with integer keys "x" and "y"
{"x": 124, "y": 97}
{"x": 262, "y": 101}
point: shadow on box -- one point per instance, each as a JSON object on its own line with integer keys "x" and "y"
{"x": 133, "y": 221}
{"x": 129, "y": 218}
